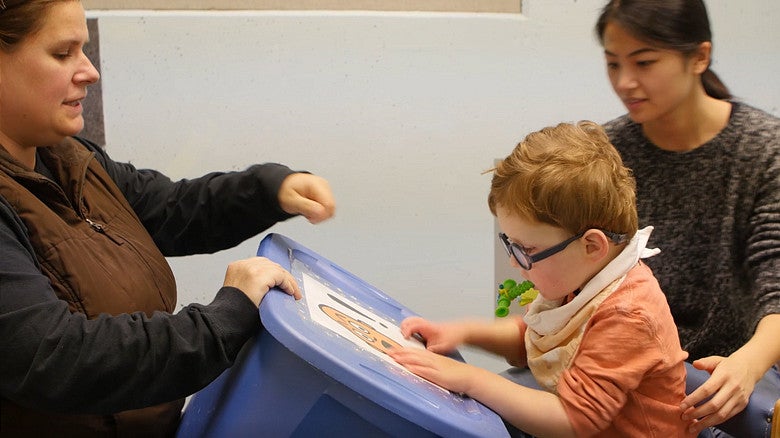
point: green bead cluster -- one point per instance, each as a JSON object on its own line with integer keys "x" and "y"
{"x": 509, "y": 290}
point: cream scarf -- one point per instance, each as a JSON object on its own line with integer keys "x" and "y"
{"x": 555, "y": 331}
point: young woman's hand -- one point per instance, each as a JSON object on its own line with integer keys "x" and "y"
{"x": 732, "y": 379}
{"x": 730, "y": 384}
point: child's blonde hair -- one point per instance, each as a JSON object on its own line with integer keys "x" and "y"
{"x": 569, "y": 176}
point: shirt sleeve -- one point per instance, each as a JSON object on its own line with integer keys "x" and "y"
{"x": 619, "y": 348}
{"x": 195, "y": 216}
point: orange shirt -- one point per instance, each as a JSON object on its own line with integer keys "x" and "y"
{"x": 627, "y": 377}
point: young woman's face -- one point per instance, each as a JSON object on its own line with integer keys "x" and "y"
{"x": 556, "y": 276}
{"x": 652, "y": 82}
{"x": 43, "y": 81}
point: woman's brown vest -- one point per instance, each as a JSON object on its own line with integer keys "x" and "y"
{"x": 100, "y": 259}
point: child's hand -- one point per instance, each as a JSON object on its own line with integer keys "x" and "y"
{"x": 441, "y": 370}
{"x": 439, "y": 338}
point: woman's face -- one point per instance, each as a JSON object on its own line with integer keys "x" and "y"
{"x": 653, "y": 83}
{"x": 44, "y": 79}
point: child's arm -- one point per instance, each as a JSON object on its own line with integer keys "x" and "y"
{"x": 502, "y": 337}
{"x": 533, "y": 411}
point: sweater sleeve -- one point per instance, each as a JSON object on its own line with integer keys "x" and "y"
{"x": 56, "y": 360}
{"x": 202, "y": 215}
{"x": 763, "y": 239}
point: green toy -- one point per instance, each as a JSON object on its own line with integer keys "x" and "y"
{"x": 509, "y": 290}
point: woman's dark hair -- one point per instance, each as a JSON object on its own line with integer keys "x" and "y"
{"x": 680, "y": 25}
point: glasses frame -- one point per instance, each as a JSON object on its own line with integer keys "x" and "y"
{"x": 526, "y": 260}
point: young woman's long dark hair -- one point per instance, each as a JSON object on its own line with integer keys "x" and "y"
{"x": 679, "y": 25}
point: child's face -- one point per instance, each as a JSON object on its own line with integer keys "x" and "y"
{"x": 556, "y": 276}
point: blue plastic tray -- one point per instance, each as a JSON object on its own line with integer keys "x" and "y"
{"x": 318, "y": 367}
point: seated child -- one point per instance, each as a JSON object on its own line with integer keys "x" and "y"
{"x": 599, "y": 338}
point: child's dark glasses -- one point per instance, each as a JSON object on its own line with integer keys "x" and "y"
{"x": 526, "y": 260}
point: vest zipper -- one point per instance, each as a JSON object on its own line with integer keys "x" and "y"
{"x": 101, "y": 229}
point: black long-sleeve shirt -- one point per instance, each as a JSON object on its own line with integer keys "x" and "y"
{"x": 56, "y": 360}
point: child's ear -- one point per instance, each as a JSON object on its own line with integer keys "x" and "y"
{"x": 596, "y": 244}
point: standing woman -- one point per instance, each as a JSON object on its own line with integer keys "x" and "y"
{"x": 89, "y": 345}
{"x": 707, "y": 168}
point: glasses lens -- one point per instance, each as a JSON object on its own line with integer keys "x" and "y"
{"x": 515, "y": 251}
{"x": 521, "y": 257}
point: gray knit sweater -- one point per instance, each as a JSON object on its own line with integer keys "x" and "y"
{"x": 716, "y": 212}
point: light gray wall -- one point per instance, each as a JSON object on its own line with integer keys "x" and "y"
{"x": 402, "y": 112}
